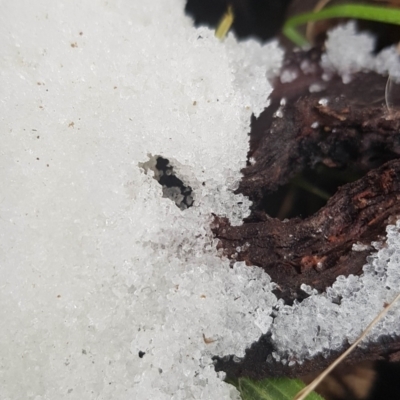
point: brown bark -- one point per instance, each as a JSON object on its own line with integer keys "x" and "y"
{"x": 316, "y": 250}
{"x": 339, "y": 126}
{"x": 353, "y": 128}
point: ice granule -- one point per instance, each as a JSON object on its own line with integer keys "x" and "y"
{"x": 308, "y": 289}
{"x": 316, "y": 87}
{"x": 278, "y": 113}
{"x": 315, "y": 125}
{"x": 360, "y": 247}
{"x": 288, "y": 75}
{"x": 108, "y": 287}
{"x": 325, "y": 322}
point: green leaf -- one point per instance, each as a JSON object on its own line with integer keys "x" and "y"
{"x": 360, "y": 11}
{"x": 272, "y": 389}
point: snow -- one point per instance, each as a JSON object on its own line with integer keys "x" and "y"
{"x": 323, "y": 102}
{"x": 110, "y": 290}
{"x": 341, "y": 57}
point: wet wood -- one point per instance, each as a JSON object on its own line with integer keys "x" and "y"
{"x": 320, "y": 121}
{"x": 342, "y": 125}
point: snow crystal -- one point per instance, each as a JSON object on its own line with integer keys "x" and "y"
{"x": 308, "y": 289}
{"x": 109, "y": 289}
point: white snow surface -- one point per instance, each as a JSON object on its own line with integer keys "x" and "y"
{"x": 97, "y": 267}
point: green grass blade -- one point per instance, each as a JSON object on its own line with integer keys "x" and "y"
{"x": 358, "y": 11}
{"x": 272, "y": 389}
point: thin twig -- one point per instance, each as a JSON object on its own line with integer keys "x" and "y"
{"x": 311, "y": 24}
{"x": 309, "y": 388}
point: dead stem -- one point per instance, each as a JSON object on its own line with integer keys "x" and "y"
{"x": 309, "y": 388}
{"x": 310, "y": 25}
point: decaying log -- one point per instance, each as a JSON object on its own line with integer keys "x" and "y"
{"x": 315, "y": 251}
{"x": 342, "y": 125}
{"x": 338, "y": 125}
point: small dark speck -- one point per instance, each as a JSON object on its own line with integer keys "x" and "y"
{"x": 84, "y": 351}
{"x": 204, "y": 184}
{"x": 74, "y": 44}
{"x": 37, "y": 158}
{"x": 37, "y": 137}
{"x": 109, "y": 383}
{"x": 34, "y": 130}
{"x": 141, "y": 354}
{"x": 195, "y": 102}
{"x": 80, "y": 33}
{"x": 115, "y": 87}
{"x": 199, "y": 37}
{"x": 47, "y": 165}
{"x": 69, "y": 391}
{"x": 58, "y": 296}
{"x": 160, "y": 370}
